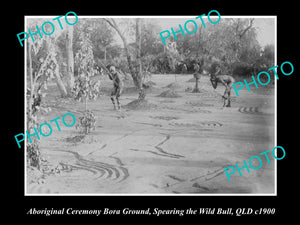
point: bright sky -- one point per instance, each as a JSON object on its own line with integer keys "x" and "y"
{"x": 266, "y": 29}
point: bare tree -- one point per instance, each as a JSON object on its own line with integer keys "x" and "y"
{"x": 242, "y": 32}
{"x": 70, "y": 60}
{"x": 60, "y": 85}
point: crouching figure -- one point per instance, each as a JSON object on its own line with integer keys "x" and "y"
{"x": 227, "y": 81}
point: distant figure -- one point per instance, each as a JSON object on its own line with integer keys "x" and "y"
{"x": 196, "y": 67}
{"x": 184, "y": 68}
{"x": 197, "y": 77}
{"x": 118, "y": 85}
{"x": 227, "y": 81}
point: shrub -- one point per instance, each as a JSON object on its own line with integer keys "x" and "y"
{"x": 86, "y": 122}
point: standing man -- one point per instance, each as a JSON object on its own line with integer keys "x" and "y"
{"x": 197, "y": 77}
{"x": 118, "y": 85}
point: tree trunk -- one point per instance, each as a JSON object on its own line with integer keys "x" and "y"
{"x": 31, "y": 86}
{"x": 197, "y": 77}
{"x": 60, "y": 85}
{"x": 131, "y": 69}
{"x": 135, "y": 75}
{"x": 70, "y": 59}
{"x": 85, "y": 103}
{"x": 138, "y": 27}
{"x": 32, "y": 150}
{"x": 86, "y": 128}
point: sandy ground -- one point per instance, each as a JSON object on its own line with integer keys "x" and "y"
{"x": 180, "y": 145}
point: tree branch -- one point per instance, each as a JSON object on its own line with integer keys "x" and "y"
{"x": 110, "y": 23}
{"x": 114, "y": 25}
{"x": 247, "y": 28}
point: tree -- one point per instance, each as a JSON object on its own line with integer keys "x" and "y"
{"x": 85, "y": 88}
{"x": 60, "y": 85}
{"x": 139, "y": 71}
{"x": 101, "y": 37}
{"x": 70, "y": 59}
{"x": 230, "y": 42}
{"x": 268, "y": 55}
{"x": 135, "y": 74}
{"x": 150, "y": 42}
{"x": 42, "y": 65}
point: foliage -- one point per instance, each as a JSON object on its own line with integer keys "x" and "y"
{"x": 100, "y": 36}
{"x": 33, "y": 154}
{"x": 231, "y": 42}
{"x": 161, "y": 63}
{"x": 85, "y": 87}
{"x": 44, "y": 66}
{"x": 268, "y": 56}
{"x": 84, "y": 58}
{"x": 242, "y": 68}
{"x": 151, "y": 42}
{"x": 41, "y": 66}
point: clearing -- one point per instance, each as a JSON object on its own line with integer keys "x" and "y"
{"x": 179, "y": 142}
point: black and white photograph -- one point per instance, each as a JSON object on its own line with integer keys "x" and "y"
{"x": 151, "y": 111}
{"x": 150, "y": 105}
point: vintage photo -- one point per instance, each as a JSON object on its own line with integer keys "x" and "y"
{"x": 147, "y": 105}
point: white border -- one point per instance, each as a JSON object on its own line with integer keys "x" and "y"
{"x": 154, "y": 194}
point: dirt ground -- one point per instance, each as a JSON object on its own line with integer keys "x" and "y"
{"x": 178, "y": 145}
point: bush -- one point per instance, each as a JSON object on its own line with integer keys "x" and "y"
{"x": 33, "y": 154}
{"x": 242, "y": 69}
{"x": 86, "y": 122}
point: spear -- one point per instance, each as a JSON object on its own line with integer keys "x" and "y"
{"x": 108, "y": 72}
